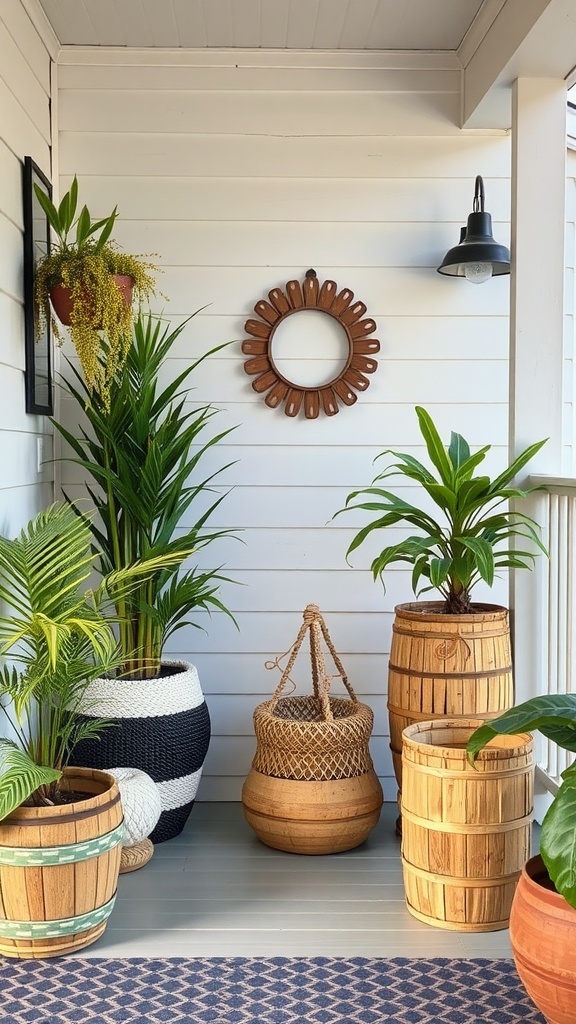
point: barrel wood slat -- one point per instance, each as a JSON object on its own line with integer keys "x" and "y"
{"x": 466, "y": 831}
{"x": 64, "y": 887}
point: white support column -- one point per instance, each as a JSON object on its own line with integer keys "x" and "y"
{"x": 536, "y": 329}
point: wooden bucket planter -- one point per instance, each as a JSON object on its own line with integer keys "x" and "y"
{"x": 312, "y": 788}
{"x": 446, "y": 666}
{"x": 59, "y": 869}
{"x": 465, "y": 831}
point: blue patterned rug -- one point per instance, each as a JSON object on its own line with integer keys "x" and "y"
{"x": 281, "y": 990}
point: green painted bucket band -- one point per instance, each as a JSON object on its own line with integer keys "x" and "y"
{"x": 52, "y": 929}
{"x": 26, "y": 857}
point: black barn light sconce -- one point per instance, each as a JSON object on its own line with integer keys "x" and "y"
{"x": 477, "y": 257}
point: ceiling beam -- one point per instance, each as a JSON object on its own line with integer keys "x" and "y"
{"x": 527, "y": 39}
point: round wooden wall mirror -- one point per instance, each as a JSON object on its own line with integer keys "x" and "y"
{"x": 323, "y": 396}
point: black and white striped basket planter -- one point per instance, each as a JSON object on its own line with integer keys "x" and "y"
{"x": 162, "y": 727}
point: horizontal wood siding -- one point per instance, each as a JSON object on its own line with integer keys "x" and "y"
{"x": 24, "y": 131}
{"x": 241, "y": 179}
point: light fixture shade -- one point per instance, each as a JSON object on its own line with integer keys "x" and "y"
{"x": 477, "y": 245}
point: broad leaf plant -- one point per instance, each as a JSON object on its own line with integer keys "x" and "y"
{"x": 553, "y": 715}
{"x": 469, "y": 539}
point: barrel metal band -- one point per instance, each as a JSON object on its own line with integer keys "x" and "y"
{"x": 480, "y": 674}
{"x": 425, "y": 716}
{"x": 468, "y": 775}
{"x": 464, "y": 829}
{"x": 60, "y": 819}
{"x": 464, "y": 883}
{"x": 427, "y": 634}
{"x": 53, "y": 929}
{"x": 24, "y": 857}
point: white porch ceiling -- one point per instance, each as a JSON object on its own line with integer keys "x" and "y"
{"x": 273, "y": 24}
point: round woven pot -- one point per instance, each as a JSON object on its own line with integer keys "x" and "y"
{"x": 162, "y": 727}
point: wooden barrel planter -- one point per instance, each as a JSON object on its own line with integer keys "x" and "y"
{"x": 465, "y": 830}
{"x": 446, "y": 666}
{"x": 312, "y": 788}
{"x": 59, "y": 869}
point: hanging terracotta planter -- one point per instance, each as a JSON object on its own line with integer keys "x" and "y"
{"x": 61, "y": 297}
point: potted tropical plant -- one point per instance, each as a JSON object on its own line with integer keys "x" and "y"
{"x": 143, "y": 452}
{"x": 57, "y": 640}
{"x": 543, "y": 915}
{"x": 89, "y": 285}
{"x": 448, "y": 658}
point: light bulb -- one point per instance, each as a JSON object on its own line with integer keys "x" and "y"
{"x": 477, "y": 273}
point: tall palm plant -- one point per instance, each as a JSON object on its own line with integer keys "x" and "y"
{"x": 58, "y": 640}
{"x": 142, "y": 452}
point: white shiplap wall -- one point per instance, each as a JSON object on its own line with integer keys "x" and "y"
{"x": 242, "y": 177}
{"x": 24, "y": 131}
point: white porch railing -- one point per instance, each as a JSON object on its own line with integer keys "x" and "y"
{"x": 557, "y": 601}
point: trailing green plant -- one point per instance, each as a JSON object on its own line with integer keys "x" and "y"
{"x": 554, "y": 715}
{"x": 471, "y": 539}
{"x": 57, "y": 640}
{"x": 142, "y": 453}
{"x": 84, "y": 259}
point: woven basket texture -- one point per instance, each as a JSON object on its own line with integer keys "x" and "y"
{"x": 315, "y": 738}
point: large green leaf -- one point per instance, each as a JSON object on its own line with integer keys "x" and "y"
{"x": 553, "y": 714}
{"x": 484, "y": 556}
{"x": 514, "y": 468}
{"x": 458, "y": 451}
{"x": 436, "y": 450}
{"x": 558, "y": 840}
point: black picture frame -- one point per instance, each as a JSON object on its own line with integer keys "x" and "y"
{"x": 38, "y": 370}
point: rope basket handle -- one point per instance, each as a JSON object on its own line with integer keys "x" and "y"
{"x": 314, "y": 623}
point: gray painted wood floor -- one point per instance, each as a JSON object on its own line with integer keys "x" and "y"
{"x": 216, "y": 890}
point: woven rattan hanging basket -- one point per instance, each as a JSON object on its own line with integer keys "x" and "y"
{"x": 312, "y": 786}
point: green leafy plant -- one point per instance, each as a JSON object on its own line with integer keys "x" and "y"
{"x": 554, "y": 715}
{"x": 142, "y": 451}
{"x": 470, "y": 541}
{"x": 57, "y": 640}
{"x": 84, "y": 259}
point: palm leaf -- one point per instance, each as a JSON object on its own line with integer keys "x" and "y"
{"x": 20, "y": 777}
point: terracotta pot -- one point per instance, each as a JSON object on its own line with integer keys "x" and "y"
{"x": 61, "y": 297}
{"x": 543, "y": 937}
